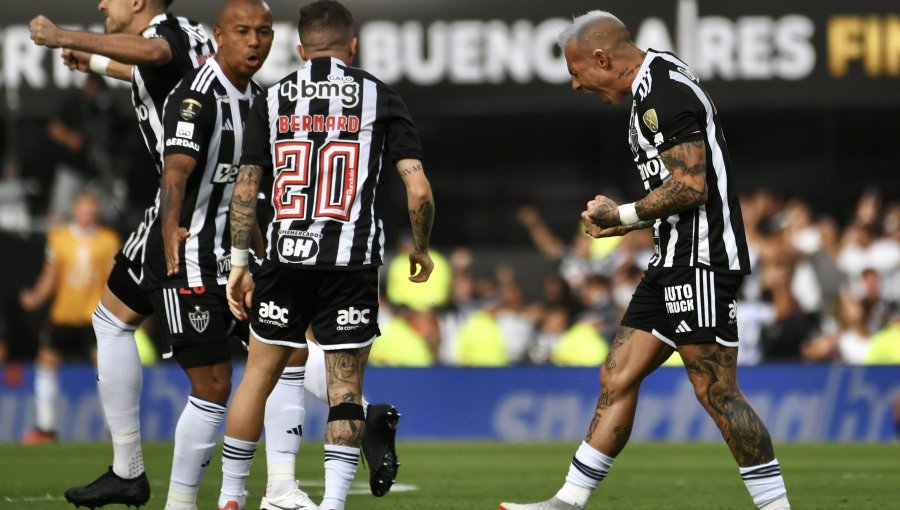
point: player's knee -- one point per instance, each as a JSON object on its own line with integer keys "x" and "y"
{"x": 346, "y": 411}
{"x": 214, "y": 388}
{"x": 614, "y": 380}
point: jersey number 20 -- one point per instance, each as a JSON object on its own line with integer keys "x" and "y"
{"x": 334, "y": 187}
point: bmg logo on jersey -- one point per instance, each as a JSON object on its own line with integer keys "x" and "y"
{"x": 351, "y": 318}
{"x": 272, "y": 314}
{"x": 343, "y": 88}
{"x": 297, "y": 249}
{"x": 679, "y": 298}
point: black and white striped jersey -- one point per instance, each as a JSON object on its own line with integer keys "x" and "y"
{"x": 191, "y": 47}
{"x": 670, "y": 108}
{"x": 325, "y": 132}
{"x": 204, "y": 119}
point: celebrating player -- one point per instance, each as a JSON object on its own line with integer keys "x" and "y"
{"x": 153, "y": 50}
{"x": 686, "y": 300}
{"x": 324, "y": 133}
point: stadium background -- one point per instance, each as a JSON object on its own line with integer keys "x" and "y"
{"x": 807, "y": 92}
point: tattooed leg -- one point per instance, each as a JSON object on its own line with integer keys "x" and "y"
{"x": 633, "y": 355}
{"x": 712, "y": 369}
{"x": 344, "y": 372}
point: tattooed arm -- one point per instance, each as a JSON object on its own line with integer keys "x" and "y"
{"x": 685, "y": 189}
{"x": 176, "y": 170}
{"x": 244, "y": 229}
{"x": 421, "y": 216}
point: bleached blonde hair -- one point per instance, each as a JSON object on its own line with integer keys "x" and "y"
{"x": 580, "y": 23}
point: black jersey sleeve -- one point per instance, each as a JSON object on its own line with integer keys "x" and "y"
{"x": 402, "y": 137}
{"x": 179, "y": 44}
{"x": 188, "y": 121}
{"x": 671, "y": 114}
{"x": 257, "y": 150}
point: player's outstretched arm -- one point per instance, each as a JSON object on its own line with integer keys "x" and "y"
{"x": 124, "y": 48}
{"x": 81, "y": 61}
{"x": 243, "y": 229}
{"x": 176, "y": 170}
{"x": 421, "y": 216}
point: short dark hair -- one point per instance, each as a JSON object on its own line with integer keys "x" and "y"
{"x": 325, "y": 24}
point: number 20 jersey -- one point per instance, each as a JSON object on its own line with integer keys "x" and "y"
{"x": 325, "y": 133}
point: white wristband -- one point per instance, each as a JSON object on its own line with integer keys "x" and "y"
{"x": 239, "y": 257}
{"x": 99, "y": 64}
{"x": 627, "y": 214}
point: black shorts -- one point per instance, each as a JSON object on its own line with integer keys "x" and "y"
{"x": 686, "y": 305}
{"x": 341, "y": 306}
{"x": 199, "y": 323}
{"x": 74, "y": 343}
{"x": 125, "y": 283}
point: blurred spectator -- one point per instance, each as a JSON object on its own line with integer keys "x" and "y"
{"x": 480, "y": 342}
{"x": 86, "y": 135}
{"x": 400, "y": 345}
{"x": 884, "y": 347}
{"x": 582, "y": 344}
{"x": 79, "y": 258}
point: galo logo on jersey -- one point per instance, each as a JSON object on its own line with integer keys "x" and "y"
{"x": 343, "y": 88}
{"x": 297, "y": 249}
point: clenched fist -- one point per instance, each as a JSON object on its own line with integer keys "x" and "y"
{"x": 45, "y": 33}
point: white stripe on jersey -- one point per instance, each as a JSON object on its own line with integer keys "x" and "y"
{"x": 204, "y": 76}
{"x": 702, "y": 237}
{"x": 672, "y": 220}
{"x": 712, "y": 296}
{"x": 154, "y": 116}
{"x": 370, "y": 92}
{"x": 718, "y": 163}
{"x": 192, "y": 245}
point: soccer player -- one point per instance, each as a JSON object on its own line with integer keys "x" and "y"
{"x": 153, "y": 49}
{"x": 79, "y": 258}
{"x": 324, "y": 133}
{"x": 686, "y": 300}
{"x": 187, "y": 254}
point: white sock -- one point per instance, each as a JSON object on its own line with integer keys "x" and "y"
{"x": 284, "y": 429}
{"x": 315, "y": 375}
{"x": 764, "y": 482}
{"x": 587, "y": 469}
{"x": 46, "y": 396}
{"x": 195, "y": 440}
{"x": 119, "y": 380}
{"x": 237, "y": 456}
{"x": 340, "y": 469}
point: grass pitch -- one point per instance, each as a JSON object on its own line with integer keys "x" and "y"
{"x": 466, "y": 476}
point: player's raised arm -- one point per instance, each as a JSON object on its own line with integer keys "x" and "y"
{"x": 125, "y": 48}
{"x": 421, "y": 216}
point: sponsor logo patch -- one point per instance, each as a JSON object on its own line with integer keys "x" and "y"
{"x": 181, "y": 142}
{"x": 351, "y": 318}
{"x": 272, "y": 314}
{"x": 679, "y": 298}
{"x": 296, "y": 248}
{"x": 223, "y": 266}
{"x": 343, "y": 88}
{"x": 184, "y": 130}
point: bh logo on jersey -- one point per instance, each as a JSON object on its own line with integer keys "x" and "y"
{"x": 352, "y": 318}
{"x": 273, "y": 315}
{"x": 297, "y": 249}
{"x": 679, "y": 298}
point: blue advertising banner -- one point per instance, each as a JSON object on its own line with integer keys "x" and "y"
{"x": 798, "y": 403}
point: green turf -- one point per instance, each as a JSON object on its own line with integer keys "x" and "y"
{"x": 465, "y": 475}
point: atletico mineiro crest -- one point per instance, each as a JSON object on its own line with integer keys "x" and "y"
{"x": 199, "y": 319}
